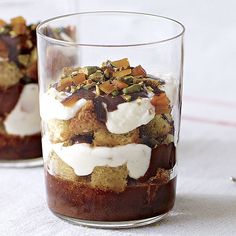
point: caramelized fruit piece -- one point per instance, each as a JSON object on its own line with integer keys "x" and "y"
{"x": 162, "y": 110}
{"x": 107, "y": 87}
{"x": 18, "y": 25}
{"x": 2, "y": 23}
{"x": 79, "y": 79}
{"x": 66, "y": 82}
{"x": 138, "y": 71}
{"x": 71, "y": 100}
{"x": 123, "y": 63}
{"x": 160, "y": 100}
{"x": 161, "y": 103}
{"x": 19, "y": 29}
{"x": 19, "y": 20}
{"x": 122, "y": 73}
{"x": 119, "y": 84}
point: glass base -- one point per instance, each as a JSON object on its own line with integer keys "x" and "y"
{"x": 22, "y": 163}
{"x": 113, "y": 224}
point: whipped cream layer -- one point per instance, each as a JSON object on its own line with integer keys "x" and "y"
{"x": 52, "y": 108}
{"x": 83, "y": 158}
{"x": 24, "y": 119}
{"x": 130, "y": 115}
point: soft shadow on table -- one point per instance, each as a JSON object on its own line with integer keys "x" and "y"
{"x": 194, "y": 211}
{"x": 208, "y": 209}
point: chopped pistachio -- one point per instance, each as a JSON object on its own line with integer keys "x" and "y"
{"x": 128, "y": 80}
{"x": 88, "y": 70}
{"x": 97, "y": 76}
{"x": 132, "y": 89}
{"x": 33, "y": 55}
{"x": 73, "y": 89}
{"x": 126, "y": 97}
{"x": 67, "y": 89}
{"x": 97, "y": 90}
{"x": 24, "y": 59}
{"x": 67, "y": 71}
{"x": 89, "y": 86}
{"x": 13, "y": 34}
{"x": 115, "y": 93}
{"x": 150, "y": 89}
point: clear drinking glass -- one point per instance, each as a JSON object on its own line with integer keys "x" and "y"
{"x": 110, "y": 103}
{"x": 20, "y": 138}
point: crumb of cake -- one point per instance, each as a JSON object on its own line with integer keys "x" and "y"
{"x": 157, "y": 127}
{"x": 169, "y": 139}
{"x": 162, "y": 177}
{"x": 60, "y": 168}
{"x": 102, "y": 137}
{"x": 9, "y": 74}
{"x": 85, "y": 121}
{"x": 58, "y": 130}
{"x": 110, "y": 178}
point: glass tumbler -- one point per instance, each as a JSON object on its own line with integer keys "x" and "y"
{"x": 20, "y": 138}
{"x": 110, "y": 103}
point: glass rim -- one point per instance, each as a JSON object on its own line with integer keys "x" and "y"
{"x": 67, "y": 43}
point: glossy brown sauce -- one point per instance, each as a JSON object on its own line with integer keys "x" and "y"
{"x": 141, "y": 199}
{"x": 8, "y": 98}
{"x": 19, "y": 148}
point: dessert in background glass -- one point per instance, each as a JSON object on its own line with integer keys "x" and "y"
{"x": 110, "y": 106}
{"x": 20, "y": 130}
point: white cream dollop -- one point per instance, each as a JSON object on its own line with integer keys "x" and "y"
{"x": 24, "y": 119}
{"x": 52, "y": 108}
{"x": 130, "y": 115}
{"x": 83, "y": 158}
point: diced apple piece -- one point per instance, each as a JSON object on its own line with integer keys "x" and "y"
{"x": 119, "y": 84}
{"x": 70, "y": 101}
{"x": 122, "y": 73}
{"x": 161, "y": 103}
{"x": 79, "y": 78}
{"x": 107, "y": 87}
{"x": 160, "y": 100}
{"x": 162, "y": 110}
{"x": 138, "y": 71}
{"x": 66, "y": 82}
{"x": 2, "y": 23}
{"x": 123, "y": 63}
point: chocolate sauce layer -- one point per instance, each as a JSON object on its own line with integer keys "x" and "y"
{"x": 9, "y": 98}
{"x": 19, "y": 148}
{"x": 87, "y": 138}
{"x": 163, "y": 156}
{"x": 142, "y": 198}
{"x": 80, "y": 201}
{"x": 110, "y": 101}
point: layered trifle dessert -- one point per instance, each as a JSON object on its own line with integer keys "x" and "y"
{"x": 19, "y": 109}
{"x": 108, "y": 143}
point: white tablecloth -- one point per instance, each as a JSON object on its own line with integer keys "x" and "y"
{"x": 206, "y": 198}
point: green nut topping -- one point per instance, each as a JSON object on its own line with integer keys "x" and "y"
{"x": 97, "y": 76}
{"x": 24, "y": 59}
{"x": 132, "y": 89}
{"x": 126, "y": 97}
{"x": 115, "y": 93}
{"x": 89, "y": 86}
{"x": 128, "y": 80}
{"x": 88, "y": 70}
{"x": 97, "y": 90}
